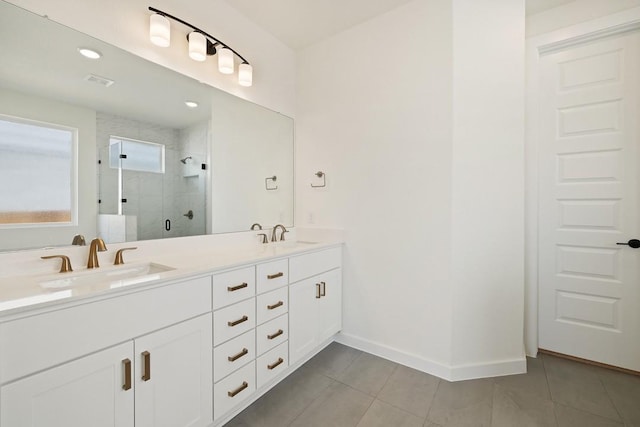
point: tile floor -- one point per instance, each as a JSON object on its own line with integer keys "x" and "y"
{"x": 342, "y": 386}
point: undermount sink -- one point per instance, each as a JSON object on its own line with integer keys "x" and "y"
{"x": 113, "y": 276}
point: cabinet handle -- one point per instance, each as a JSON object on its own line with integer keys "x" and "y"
{"x": 238, "y": 390}
{"x": 275, "y": 364}
{"x": 239, "y": 355}
{"x": 146, "y": 366}
{"x": 237, "y": 288}
{"x": 276, "y": 335}
{"x": 318, "y": 294}
{"x": 237, "y": 322}
{"x": 324, "y": 289}
{"x": 275, "y": 276}
{"x": 276, "y": 305}
{"x": 126, "y": 364}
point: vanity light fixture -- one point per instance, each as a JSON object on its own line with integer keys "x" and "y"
{"x": 191, "y": 104}
{"x": 89, "y": 53}
{"x": 201, "y": 45}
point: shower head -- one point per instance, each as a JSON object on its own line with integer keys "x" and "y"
{"x": 184, "y": 161}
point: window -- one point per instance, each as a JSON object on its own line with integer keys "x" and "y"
{"x": 37, "y": 173}
{"x": 135, "y": 155}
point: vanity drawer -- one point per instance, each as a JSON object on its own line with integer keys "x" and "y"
{"x": 234, "y": 389}
{"x": 307, "y": 265}
{"x": 234, "y": 320}
{"x": 233, "y": 286}
{"x": 272, "y": 275}
{"x": 272, "y": 333}
{"x": 38, "y": 342}
{"x": 233, "y": 355}
{"x": 272, "y": 304}
{"x": 269, "y": 365}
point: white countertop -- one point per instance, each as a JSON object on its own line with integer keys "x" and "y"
{"x": 22, "y": 294}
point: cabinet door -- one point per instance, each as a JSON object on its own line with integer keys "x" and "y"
{"x": 86, "y": 392}
{"x": 304, "y": 315}
{"x": 330, "y": 304}
{"x": 174, "y": 379}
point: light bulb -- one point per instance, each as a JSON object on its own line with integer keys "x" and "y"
{"x": 225, "y": 61}
{"x": 245, "y": 74}
{"x": 197, "y": 46}
{"x": 159, "y": 30}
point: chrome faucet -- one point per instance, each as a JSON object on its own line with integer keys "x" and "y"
{"x": 275, "y": 230}
{"x": 97, "y": 245}
{"x": 256, "y": 226}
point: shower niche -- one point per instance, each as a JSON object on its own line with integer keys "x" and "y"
{"x": 151, "y": 180}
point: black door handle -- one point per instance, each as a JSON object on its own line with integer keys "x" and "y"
{"x": 634, "y": 243}
{"x": 167, "y": 225}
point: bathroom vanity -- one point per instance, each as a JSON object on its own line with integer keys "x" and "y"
{"x": 190, "y": 344}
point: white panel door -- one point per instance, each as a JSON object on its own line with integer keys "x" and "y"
{"x": 174, "y": 379}
{"x": 86, "y": 392}
{"x": 589, "y": 286}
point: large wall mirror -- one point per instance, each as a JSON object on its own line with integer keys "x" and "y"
{"x": 156, "y": 154}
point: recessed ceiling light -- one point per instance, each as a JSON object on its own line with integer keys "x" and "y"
{"x": 89, "y": 53}
{"x": 191, "y": 104}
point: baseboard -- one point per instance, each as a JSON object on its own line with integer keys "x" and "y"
{"x": 446, "y": 372}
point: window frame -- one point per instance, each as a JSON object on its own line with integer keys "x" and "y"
{"x": 74, "y": 203}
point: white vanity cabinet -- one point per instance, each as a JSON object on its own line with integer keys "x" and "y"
{"x": 315, "y": 300}
{"x": 192, "y": 352}
{"x": 167, "y": 372}
{"x": 86, "y": 392}
{"x": 173, "y": 371}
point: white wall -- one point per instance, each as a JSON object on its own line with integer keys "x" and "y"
{"x": 488, "y": 182}
{"x": 374, "y": 113}
{"x": 573, "y": 13}
{"x": 125, "y": 24}
{"x": 417, "y": 118}
{"x": 40, "y": 109}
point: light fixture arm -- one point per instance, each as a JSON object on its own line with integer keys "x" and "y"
{"x": 207, "y": 35}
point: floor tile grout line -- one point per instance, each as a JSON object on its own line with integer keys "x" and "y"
{"x": 546, "y": 378}
{"x": 433, "y": 400}
{"x": 365, "y": 412}
{"x": 312, "y": 401}
{"x": 395, "y": 368}
{"x": 555, "y": 402}
{"x": 604, "y": 386}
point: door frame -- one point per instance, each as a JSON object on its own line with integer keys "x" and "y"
{"x": 607, "y": 26}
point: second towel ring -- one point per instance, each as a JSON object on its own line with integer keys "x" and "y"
{"x": 322, "y": 175}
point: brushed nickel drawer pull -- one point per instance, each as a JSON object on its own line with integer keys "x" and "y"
{"x": 324, "y": 289}
{"x": 237, "y": 322}
{"x": 238, "y": 390}
{"x": 275, "y": 364}
{"x": 276, "y": 335}
{"x": 275, "y": 276}
{"x": 318, "y": 294}
{"x": 146, "y": 366}
{"x": 244, "y": 352}
{"x": 237, "y": 288}
{"x": 276, "y": 305}
{"x": 126, "y": 364}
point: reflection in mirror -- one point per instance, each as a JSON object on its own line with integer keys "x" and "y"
{"x": 37, "y": 172}
{"x": 216, "y": 155}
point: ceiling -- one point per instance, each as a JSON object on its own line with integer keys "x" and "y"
{"x": 300, "y": 23}
{"x": 537, "y": 6}
{"x": 133, "y": 94}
